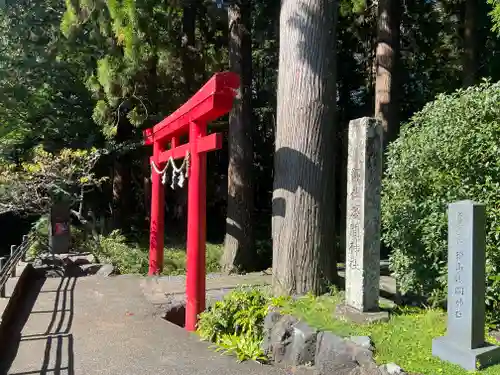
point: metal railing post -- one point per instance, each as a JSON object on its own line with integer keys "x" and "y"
{"x": 2, "y": 289}
{"x": 25, "y": 240}
{"x": 12, "y": 252}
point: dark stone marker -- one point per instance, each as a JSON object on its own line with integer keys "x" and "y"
{"x": 60, "y": 235}
{"x": 464, "y": 343}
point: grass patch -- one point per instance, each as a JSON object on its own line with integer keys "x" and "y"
{"x": 131, "y": 258}
{"x": 175, "y": 259}
{"x": 405, "y": 340}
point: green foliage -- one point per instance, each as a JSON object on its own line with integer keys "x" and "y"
{"x": 43, "y": 97}
{"x": 352, "y": 6}
{"x": 235, "y": 323}
{"x": 131, "y": 258}
{"x": 127, "y": 258}
{"x": 244, "y": 346}
{"x": 175, "y": 259}
{"x": 495, "y": 14}
{"x": 33, "y": 185}
{"x": 40, "y": 233}
{"x": 130, "y": 72}
{"x": 448, "y": 152}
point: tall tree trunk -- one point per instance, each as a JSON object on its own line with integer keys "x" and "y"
{"x": 239, "y": 250}
{"x": 387, "y": 59}
{"x": 188, "y": 46}
{"x": 146, "y": 164}
{"x": 303, "y": 224}
{"x": 470, "y": 39}
{"x": 176, "y": 200}
{"x": 344, "y": 92}
{"x": 146, "y": 184}
{"x": 122, "y": 180}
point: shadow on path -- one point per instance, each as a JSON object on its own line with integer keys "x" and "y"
{"x": 14, "y": 330}
{"x": 58, "y": 354}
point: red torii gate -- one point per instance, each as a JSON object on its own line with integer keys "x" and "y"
{"x": 213, "y": 100}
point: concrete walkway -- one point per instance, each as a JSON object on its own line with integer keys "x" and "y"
{"x": 92, "y": 325}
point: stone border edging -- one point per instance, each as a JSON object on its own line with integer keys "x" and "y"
{"x": 292, "y": 342}
{"x": 16, "y": 301}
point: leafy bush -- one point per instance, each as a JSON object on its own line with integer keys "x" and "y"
{"x": 449, "y": 151}
{"x": 40, "y": 233}
{"x": 235, "y": 324}
{"x": 175, "y": 260}
{"x": 128, "y": 259}
{"x": 33, "y": 186}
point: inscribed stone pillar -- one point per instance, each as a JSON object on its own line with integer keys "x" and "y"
{"x": 464, "y": 343}
{"x": 364, "y": 175}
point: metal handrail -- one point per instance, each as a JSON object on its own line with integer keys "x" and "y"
{"x": 16, "y": 255}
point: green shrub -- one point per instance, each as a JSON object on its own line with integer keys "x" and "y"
{"x": 449, "y": 151}
{"x": 175, "y": 259}
{"x": 40, "y": 234}
{"x": 128, "y": 259}
{"x": 235, "y": 324}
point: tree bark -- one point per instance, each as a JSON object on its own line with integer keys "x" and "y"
{"x": 387, "y": 59}
{"x": 122, "y": 180}
{"x": 188, "y": 46}
{"x": 239, "y": 250}
{"x": 303, "y": 224}
{"x": 470, "y": 62}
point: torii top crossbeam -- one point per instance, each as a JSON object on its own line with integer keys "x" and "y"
{"x": 213, "y": 100}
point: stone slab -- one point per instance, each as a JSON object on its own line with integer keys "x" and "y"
{"x": 469, "y": 359}
{"x": 351, "y": 314}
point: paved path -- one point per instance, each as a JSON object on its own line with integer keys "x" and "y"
{"x": 92, "y": 325}
{"x": 160, "y": 290}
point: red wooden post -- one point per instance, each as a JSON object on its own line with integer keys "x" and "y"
{"x": 194, "y": 295}
{"x": 157, "y": 215}
{"x": 203, "y": 223}
{"x": 174, "y": 142}
{"x": 210, "y": 102}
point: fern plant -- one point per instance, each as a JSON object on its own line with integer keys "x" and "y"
{"x": 243, "y": 346}
{"x": 235, "y": 323}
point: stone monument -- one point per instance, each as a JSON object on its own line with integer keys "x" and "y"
{"x": 364, "y": 177}
{"x": 464, "y": 343}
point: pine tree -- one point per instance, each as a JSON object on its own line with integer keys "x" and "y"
{"x": 136, "y": 55}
